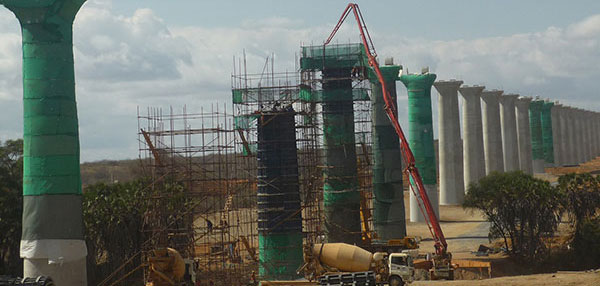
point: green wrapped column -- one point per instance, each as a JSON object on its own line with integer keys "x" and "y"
{"x": 279, "y": 208}
{"x": 547, "y": 139}
{"x": 52, "y": 237}
{"x": 388, "y": 196}
{"x": 341, "y": 197}
{"x": 535, "y": 125}
{"x": 420, "y": 137}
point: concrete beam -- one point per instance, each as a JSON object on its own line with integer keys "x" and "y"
{"x": 524, "y": 135}
{"x": 492, "y": 131}
{"x": 450, "y": 144}
{"x": 508, "y": 123}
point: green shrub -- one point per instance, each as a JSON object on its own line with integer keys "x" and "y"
{"x": 522, "y": 211}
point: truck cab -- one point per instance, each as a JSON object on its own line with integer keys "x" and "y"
{"x": 401, "y": 269}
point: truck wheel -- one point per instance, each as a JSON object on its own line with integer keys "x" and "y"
{"x": 396, "y": 281}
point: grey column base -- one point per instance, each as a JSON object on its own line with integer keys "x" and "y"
{"x": 72, "y": 273}
{"x": 415, "y": 211}
{"x": 538, "y": 166}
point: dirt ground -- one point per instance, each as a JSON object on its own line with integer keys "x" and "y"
{"x": 466, "y": 230}
{"x": 560, "y": 278}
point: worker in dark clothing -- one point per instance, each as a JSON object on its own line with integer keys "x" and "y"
{"x": 209, "y": 225}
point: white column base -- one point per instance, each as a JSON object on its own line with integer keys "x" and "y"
{"x": 70, "y": 273}
{"x": 538, "y": 166}
{"x": 415, "y": 211}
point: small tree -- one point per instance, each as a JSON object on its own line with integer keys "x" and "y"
{"x": 11, "y": 206}
{"x": 582, "y": 197}
{"x": 581, "y": 203}
{"x": 521, "y": 209}
{"x": 114, "y": 217}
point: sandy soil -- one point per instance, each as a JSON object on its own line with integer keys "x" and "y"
{"x": 560, "y": 278}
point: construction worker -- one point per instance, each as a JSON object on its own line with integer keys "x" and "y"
{"x": 253, "y": 279}
{"x": 209, "y": 225}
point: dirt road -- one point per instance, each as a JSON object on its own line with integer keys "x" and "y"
{"x": 560, "y": 278}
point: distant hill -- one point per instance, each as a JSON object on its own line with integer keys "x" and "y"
{"x": 110, "y": 171}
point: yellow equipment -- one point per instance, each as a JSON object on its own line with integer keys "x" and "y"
{"x": 166, "y": 267}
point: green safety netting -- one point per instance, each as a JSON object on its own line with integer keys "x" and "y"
{"x": 245, "y": 121}
{"x": 302, "y": 94}
{"x": 51, "y": 170}
{"x": 333, "y": 56}
{"x": 388, "y": 202}
{"x": 280, "y": 255}
{"x": 420, "y": 124}
{"x": 546, "y": 122}
{"x": 535, "y": 125}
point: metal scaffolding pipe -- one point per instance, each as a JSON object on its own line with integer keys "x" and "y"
{"x": 474, "y": 167}
{"x": 508, "y": 123}
{"x": 388, "y": 196}
{"x": 420, "y": 136}
{"x": 492, "y": 131}
{"x": 524, "y": 135}
{"x": 450, "y": 144}
{"x": 52, "y": 242}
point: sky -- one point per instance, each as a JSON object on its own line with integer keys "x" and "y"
{"x": 150, "y": 53}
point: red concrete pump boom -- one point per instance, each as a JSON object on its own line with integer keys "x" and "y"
{"x": 390, "y": 108}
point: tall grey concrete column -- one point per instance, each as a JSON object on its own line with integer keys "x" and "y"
{"x": 473, "y": 165}
{"x": 587, "y": 124}
{"x": 450, "y": 160}
{"x": 564, "y": 135}
{"x": 591, "y": 116}
{"x": 556, "y": 133}
{"x": 492, "y": 131}
{"x": 508, "y": 122}
{"x": 596, "y": 133}
{"x": 577, "y": 116}
{"x": 573, "y": 158}
{"x": 524, "y": 134}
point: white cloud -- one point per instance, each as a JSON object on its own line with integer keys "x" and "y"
{"x": 125, "y": 61}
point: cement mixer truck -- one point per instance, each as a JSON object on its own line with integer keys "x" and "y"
{"x": 341, "y": 263}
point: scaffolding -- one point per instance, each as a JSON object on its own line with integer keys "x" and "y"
{"x": 256, "y": 94}
{"x": 198, "y": 152}
{"x": 213, "y": 156}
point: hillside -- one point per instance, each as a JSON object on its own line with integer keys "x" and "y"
{"x": 107, "y": 171}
